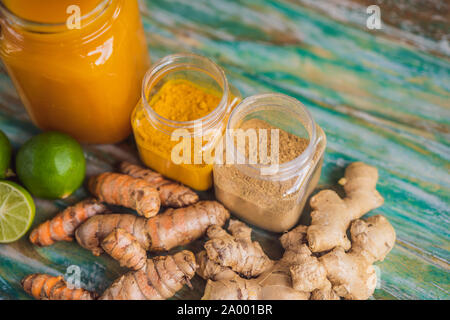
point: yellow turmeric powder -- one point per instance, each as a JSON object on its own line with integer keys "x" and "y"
{"x": 177, "y": 100}
{"x": 182, "y": 100}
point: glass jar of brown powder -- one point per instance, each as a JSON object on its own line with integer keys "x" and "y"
{"x": 267, "y": 194}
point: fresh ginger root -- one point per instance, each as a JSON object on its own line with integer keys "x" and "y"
{"x": 62, "y": 226}
{"x": 274, "y": 283}
{"x": 307, "y": 274}
{"x": 232, "y": 289}
{"x": 300, "y": 275}
{"x": 225, "y": 262}
{"x": 171, "y": 193}
{"x": 209, "y": 269}
{"x": 371, "y": 241}
{"x": 124, "y": 190}
{"x": 124, "y": 247}
{"x": 236, "y": 251}
{"x": 46, "y": 287}
{"x": 159, "y": 279}
{"x": 345, "y": 272}
{"x": 332, "y": 215}
{"x": 163, "y": 232}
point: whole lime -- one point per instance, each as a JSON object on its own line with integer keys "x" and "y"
{"x": 5, "y": 154}
{"x": 51, "y": 165}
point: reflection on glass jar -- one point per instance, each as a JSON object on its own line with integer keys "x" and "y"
{"x": 183, "y": 93}
{"x": 83, "y": 81}
{"x": 272, "y": 199}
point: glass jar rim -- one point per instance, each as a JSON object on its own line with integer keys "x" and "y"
{"x": 52, "y": 28}
{"x": 288, "y": 169}
{"x": 169, "y": 63}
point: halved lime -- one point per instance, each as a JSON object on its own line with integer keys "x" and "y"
{"x": 16, "y": 211}
{"x": 5, "y": 155}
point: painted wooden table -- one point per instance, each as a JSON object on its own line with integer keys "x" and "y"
{"x": 382, "y": 96}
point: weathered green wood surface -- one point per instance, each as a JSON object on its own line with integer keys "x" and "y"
{"x": 381, "y": 96}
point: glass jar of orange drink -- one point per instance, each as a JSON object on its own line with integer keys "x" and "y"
{"x": 78, "y": 65}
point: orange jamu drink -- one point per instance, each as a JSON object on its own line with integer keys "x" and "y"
{"x": 77, "y": 65}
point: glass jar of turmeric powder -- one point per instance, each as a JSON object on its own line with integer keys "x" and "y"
{"x": 185, "y": 103}
{"x": 269, "y": 194}
{"x": 76, "y": 64}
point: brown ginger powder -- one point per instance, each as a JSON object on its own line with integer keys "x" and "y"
{"x": 268, "y": 203}
{"x": 290, "y": 146}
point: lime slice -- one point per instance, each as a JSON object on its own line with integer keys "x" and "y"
{"x": 16, "y": 211}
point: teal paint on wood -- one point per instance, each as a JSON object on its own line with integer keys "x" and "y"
{"x": 379, "y": 99}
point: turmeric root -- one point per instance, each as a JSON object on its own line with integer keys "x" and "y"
{"x": 163, "y": 232}
{"x": 236, "y": 251}
{"x": 123, "y": 247}
{"x": 172, "y": 194}
{"x": 153, "y": 279}
{"x": 332, "y": 215}
{"x": 46, "y": 287}
{"x": 160, "y": 279}
{"x": 62, "y": 226}
{"x": 123, "y": 190}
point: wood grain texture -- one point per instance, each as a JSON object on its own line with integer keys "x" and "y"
{"x": 382, "y": 97}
